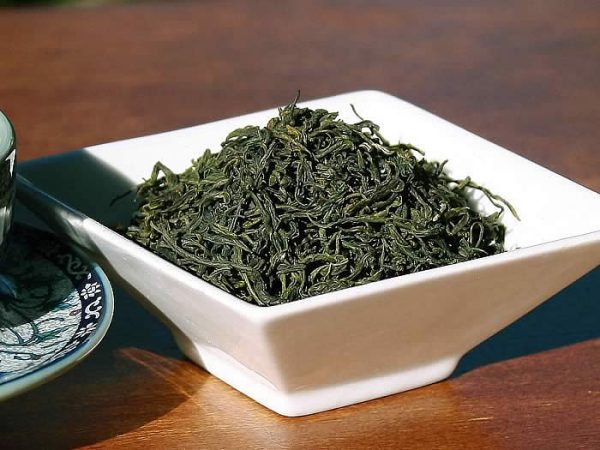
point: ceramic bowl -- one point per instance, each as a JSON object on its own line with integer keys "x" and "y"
{"x": 355, "y": 344}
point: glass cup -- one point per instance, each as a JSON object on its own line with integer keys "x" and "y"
{"x": 7, "y": 195}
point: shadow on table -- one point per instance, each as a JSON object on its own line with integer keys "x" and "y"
{"x": 569, "y": 317}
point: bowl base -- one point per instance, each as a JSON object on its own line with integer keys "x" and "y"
{"x": 317, "y": 398}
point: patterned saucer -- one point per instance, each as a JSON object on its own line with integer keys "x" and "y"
{"x": 61, "y": 308}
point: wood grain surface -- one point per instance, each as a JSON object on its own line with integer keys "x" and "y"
{"x": 522, "y": 74}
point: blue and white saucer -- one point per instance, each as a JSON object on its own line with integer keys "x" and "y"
{"x": 60, "y": 312}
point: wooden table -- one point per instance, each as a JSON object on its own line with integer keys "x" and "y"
{"x": 526, "y": 77}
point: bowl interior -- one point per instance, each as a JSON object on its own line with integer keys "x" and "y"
{"x": 550, "y": 206}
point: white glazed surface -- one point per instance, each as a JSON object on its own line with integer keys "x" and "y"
{"x": 6, "y": 136}
{"x": 352, "y": 345}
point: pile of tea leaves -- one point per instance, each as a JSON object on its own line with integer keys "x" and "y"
{"x": 311, "y": 204}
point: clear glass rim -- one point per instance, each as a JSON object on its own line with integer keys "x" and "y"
{"x": 7, "y": 135}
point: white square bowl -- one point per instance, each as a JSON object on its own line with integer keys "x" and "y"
{"x": 351, "y": 345}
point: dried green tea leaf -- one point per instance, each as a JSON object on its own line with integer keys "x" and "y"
{"x": 310, "y": 204}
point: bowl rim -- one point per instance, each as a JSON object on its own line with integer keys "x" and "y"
{"x": 267, "y": 313}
